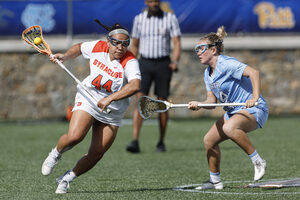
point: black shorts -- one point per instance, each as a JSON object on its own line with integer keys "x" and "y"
{"x": 156, "y": 70}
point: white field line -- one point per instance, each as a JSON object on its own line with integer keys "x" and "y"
{"x": 183, "y": 188}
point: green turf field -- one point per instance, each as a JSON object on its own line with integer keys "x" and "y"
{"x": 148, "y": 175}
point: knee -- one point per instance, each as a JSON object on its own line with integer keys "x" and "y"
{"x": 208, "y": 143}
{"x": 75, "y": 138}
{"x": 228, "y": 129}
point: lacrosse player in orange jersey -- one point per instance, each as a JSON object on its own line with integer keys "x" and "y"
{"x": 114, "y": 76}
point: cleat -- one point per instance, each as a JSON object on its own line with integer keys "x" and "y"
{"x": 259, "y": 169}
{"x": 160, "y": 147}
{"x": 58, "y": 180}
{"x": 210, "y": 185}
{"x": 62, "y": 187}
{"x": 133, "y": 147}
{"x": 50, "y": 162}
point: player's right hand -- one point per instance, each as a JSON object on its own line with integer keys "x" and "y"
{"x": 193, "y": 105}
{"x": 58, "y": 56}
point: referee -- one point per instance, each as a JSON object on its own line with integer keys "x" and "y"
{"x": 152, "y": 32}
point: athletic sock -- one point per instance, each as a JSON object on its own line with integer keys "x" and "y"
{"x": 70, "y": 176}
{"x": 57, "y": 154}
{"x": 255, "y": 157}
{"x": 215, "y": 177}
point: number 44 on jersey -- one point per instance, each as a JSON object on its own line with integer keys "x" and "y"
{"x": 97, "y": 83}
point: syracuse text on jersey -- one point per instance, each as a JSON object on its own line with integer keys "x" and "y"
{"x": 106, "y": 69}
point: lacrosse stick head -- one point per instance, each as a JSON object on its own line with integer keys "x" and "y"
{"x": 147, "y": 106}
{"x": 33, "y": 32}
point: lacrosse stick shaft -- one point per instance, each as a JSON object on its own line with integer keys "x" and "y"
{"x": 80, "y": 83}
{"x": 64, "y": 68}
{"x": 209, "y": 105}
{"x": 77, "y": 81}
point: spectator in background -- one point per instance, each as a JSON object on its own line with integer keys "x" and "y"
{"x": 229, "y": 80}
{"x": 151, "y": 34}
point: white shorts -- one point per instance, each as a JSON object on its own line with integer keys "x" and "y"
{"x": 85, "y": 104}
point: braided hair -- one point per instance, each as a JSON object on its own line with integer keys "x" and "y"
{"x": 216, "y": 39}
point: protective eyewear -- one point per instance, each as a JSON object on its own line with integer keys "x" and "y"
{"x": 115, "y": 42}
{"x": 202, "y": 47}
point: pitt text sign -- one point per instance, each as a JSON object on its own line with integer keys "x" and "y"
{"x": 270, "y": 16}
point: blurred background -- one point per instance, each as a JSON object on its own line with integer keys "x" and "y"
{"x": 264, "y": 34}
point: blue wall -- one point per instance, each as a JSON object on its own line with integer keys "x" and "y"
{"x": 194, "y": 16}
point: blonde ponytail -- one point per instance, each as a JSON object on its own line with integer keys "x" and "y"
{"x": 221, "y": 32}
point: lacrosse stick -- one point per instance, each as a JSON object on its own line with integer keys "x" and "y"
{"x": 147, "y": 106}
{"x": 273, "y": 184}
{"x": 33, "y": 32}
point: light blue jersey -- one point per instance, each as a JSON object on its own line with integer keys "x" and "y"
{"x": 229, "y": 85}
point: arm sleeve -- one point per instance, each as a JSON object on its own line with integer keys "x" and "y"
{"x": 135, "y": 30}
{"x": 206, "y": 81}
{"x": 236, "y": 68}
{"x": 175, "y": 29}
{"x": 87, "y": 48}
{"x": 132, "y": 70}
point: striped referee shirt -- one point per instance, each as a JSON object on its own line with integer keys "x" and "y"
{"x": 154, "y": 33}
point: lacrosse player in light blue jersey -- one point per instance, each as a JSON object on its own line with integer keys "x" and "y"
{"x": 228, "y": 80}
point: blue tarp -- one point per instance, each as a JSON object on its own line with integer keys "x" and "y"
{"x": 194, "y": 16}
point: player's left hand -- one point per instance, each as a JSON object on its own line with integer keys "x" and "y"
{"x": 103, "y": 103}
